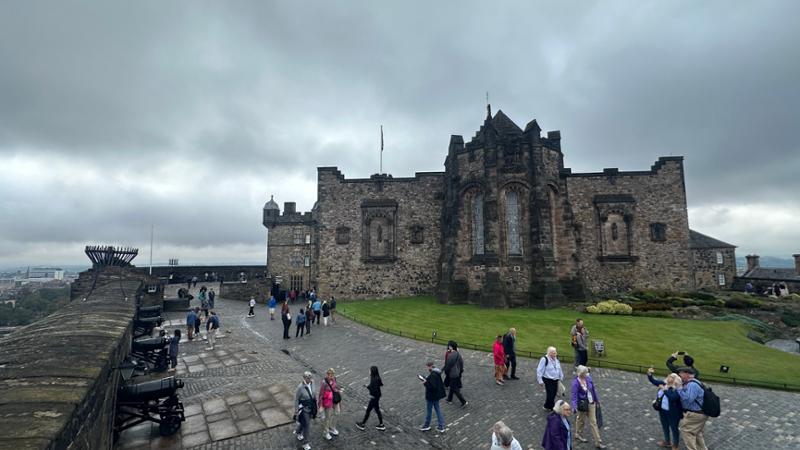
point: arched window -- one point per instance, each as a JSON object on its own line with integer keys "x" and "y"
{"x": 477, "y": 224}
{"x": 512, "y": 223}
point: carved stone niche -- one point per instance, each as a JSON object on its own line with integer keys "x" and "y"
{"x": 658, "y": 232}
{"x": 378, "y": 230}
{"x": 342, "y": 235}
{"x": 615, "y": 214}
{"x": 417, "y": 234}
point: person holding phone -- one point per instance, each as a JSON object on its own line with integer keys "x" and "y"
{"x": 688, "y": 361}
{"x": 434, "y": 391}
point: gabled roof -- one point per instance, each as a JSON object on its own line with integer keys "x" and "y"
{"x": 504, "y": 125}
{"x": 700, "y": 240}
{"x": 773, "y": 273}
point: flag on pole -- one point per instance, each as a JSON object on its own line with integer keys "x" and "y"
{"x": 381, "y": 138}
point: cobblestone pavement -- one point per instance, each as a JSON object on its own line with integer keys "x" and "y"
{"x": 751, "y": 418}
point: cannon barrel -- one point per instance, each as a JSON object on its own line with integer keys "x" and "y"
{"x": 148, "y": 311}
{"x": 149, "y": 344}
{"x": 150, "y": 390}
{"x": 147, "y": 321}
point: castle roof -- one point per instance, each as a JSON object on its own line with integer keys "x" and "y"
{"x": 504, "y": 125}
{"x": 271, "y": 204}
{"x": 772, "y": 273}
{"x": 700, "y": 240}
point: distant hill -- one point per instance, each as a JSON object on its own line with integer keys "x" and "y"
{"x": 767, "y": 261}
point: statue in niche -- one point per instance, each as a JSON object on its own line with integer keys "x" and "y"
{"x": 380, "y": 234}
{"x": 614, "y": 231}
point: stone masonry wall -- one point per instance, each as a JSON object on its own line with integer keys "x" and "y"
{"x": 659, "y": 197}
{"x": 47, "y": 401}
{"x": 286, "y": 258}
{"x": 409, "y": 212}
{"x": 707, "y": 269}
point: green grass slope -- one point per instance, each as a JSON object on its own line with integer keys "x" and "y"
{"x": 638, "y": 341}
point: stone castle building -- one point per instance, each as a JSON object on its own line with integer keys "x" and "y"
{"x": 505, "y": 224}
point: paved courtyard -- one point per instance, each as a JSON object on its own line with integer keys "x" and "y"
{"x": 239, "y": 395}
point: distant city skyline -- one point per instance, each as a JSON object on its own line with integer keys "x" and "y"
{"x": 118, "y": 116}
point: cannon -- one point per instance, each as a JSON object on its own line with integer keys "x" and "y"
{"x": 150, "y": 401}
{"x": 148, "y": 311}
{"x": 153, "y": 351}
{"x": 144, "y": 326}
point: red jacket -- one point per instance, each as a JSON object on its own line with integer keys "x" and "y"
{"x": 499, "y": 354}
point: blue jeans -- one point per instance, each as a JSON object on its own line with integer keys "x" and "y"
{"x": 439, "y": 416}
{"x": 666, "y": 425}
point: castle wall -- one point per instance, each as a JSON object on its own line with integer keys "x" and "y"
{"x": 631, "y": 203}
{"x": 707, "y": 269}
{"x": 378, "y": 237}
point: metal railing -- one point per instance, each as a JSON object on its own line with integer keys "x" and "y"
{"x": 593, "y": 362}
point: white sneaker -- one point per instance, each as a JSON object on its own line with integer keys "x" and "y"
{"x": 300, "y": 437}
{"x": 327, "y": 436}
{"x": 334, "y": 431}
{"x": 307, "y": 447}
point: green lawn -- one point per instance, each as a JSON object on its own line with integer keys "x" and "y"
{"x": 641, "y": 341}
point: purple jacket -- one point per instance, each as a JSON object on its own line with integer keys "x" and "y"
{"x": 555, "y": 436}
{"x": 578, "y": 392}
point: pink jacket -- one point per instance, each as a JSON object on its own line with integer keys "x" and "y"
{"x": 326, "y": 394}
{"x": 499, "y": 354}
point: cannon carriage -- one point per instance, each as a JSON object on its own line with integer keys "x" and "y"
{"x": 150, "y": 401}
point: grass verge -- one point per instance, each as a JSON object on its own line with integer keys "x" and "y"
{"x": 632, "y": 343}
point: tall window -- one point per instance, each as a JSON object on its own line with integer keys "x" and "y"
{"x": 308, "y": 239}
{"x": 721, "y": 279}
{"x": 296, "y": 282}
{"x": 307, "y": 261}
{"x": 512, "y": 223}
{"x": 297, "y": 237}
{"x": 720, "y": 260}
{"x": 477, "y": 224}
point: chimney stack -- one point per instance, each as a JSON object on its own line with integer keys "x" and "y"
{"x": 797, "y": 263}
{"x": 752, "y": 262}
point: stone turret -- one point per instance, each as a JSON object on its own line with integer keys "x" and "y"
{"x": 271, "y": 212}
{"x": 796, "y": 257}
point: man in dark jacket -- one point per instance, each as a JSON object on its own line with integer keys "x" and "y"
{"x": 510, "y": 347}
{"x": 453, "y": 368}
{"x": 688, "y": 361}
{"x": 434, "y": 391}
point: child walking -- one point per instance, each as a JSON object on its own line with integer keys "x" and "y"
{"x": 252, "y": 307}
{"x": 374, "y": 388}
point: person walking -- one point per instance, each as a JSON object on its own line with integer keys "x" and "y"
{"x": 558, "y": 432}
{"x": 212, "y": 327}
{"x": 374, "y": 388}
{"x": 503, "y": 438}
{"x": 333, "y": 309}
{"x": 499, "y": 355}
{"x": 585, "y": 401}
{"x": 326, "y": 312}
{"x": 434, "y": 391}
{"x": 203, "y": 297}
{"x": 309, "y": 318}
{"x": 330, "y": 398}
{"x": 271, "y": 304}
{"x": 252, "y": 311}
{"x": 579, "y": 337}
{"x": 549, "y": 374}
{"x": 174, "y": 349}
{"x": 317, "y": 307}
{"x": 668, "y": 405}
{"x": 694, "y": 420}
{"x": 510, "y": 347}
{"x": 211, "y": 298}
{"x": 190, "y": 318}
{"x": 286, "y": 318}
{"x": 301, "y": 323}
{"x": 453, "y": 369}
{"x": 305, "y": 405}
{"x": 198, "y": 320}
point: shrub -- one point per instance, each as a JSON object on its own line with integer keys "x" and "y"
{"x": 623, "y": 309}
{"x": 700, "y": 296}
{"x": 592, "y": 309}
{"x": 610, "y": 307}
{"x": 651, "y": 307}
{"x": 734, "y": 303}
{"x": 661, "y": 314}
{"x": 791, "y": 318}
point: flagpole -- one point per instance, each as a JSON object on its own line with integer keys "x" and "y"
{"x": 381, "y": 167}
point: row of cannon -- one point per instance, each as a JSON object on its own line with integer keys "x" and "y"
{"x": 140, "y": 398}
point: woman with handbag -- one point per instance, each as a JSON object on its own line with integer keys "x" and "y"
{"x": 330, "y": 398}
{"x": 668, "y": 405}
{"x": 585, "y": 402}
{"x": 306, "y": 407}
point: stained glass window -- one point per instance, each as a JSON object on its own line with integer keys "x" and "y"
{"x": 512, "y": 223}
{"x": 477, "y": 225}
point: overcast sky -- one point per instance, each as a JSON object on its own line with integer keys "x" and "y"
{"x": 189, "y": 115}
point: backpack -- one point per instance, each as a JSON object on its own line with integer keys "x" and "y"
{"x": 711, "y": 406}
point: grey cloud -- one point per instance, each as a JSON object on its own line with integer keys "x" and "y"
{"x": 228, "y": 93}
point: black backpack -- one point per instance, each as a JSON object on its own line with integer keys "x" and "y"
{"x": 711, "y": 406}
